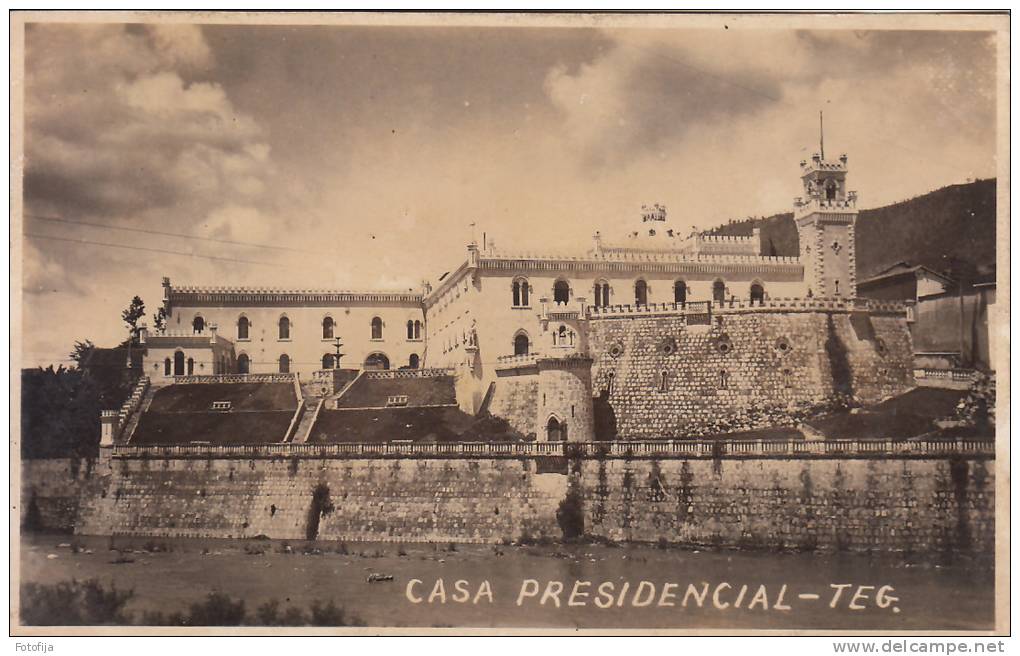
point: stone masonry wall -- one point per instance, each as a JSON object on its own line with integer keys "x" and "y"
{"x": 52, "y": 491}
{"x": 935, "y": 504}
{"x": 515, "y": 398}
{"x": 750, "y": 360}
{"x": 566, "y": 394}
{"x": 929, "y": 505}
{"x": 359, "y": 499}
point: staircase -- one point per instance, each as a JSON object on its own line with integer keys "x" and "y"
{"x": 308, "y": 416}
{"x": 131, "y": 423}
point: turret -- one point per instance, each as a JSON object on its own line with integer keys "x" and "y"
{"x": 826, "y": 217}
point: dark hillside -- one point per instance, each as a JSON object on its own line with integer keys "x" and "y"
{"x": 952, "y": 227}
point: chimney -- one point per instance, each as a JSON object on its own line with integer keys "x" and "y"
{"x": 212, "y": 333}
{"x": 108, "y": 421}
{"x": 143, "y": 332}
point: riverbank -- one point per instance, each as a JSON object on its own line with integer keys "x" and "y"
{"x": 553, "y": 586}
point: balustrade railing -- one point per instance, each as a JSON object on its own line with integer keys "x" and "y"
{"x": 234, "y": 378}
{"x": 644, "y": 449}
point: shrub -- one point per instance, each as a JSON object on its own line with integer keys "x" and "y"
{"x": 331, "y": 615}
{"x": 218, "y": 609}
{"x": 570, "y": 516}
{"x": 73, "y": 603}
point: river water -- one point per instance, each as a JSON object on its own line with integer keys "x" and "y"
{"x": 573, "y": 586}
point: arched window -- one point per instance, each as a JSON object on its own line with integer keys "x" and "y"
{"x": 327, "y": 330}
{"x": 718, "y": 291}
{"x": 563, "y": 336}
{"x": 284, "y": 364}
{"x": 198, "y": 325}
{"x": 520, "y": 290}
{"x": 410, "y": 329}
{"x": 327, "y": 361}
{"x": 243, "y": 364}
{"x": 680, "y": 292}
{"x": 166, "y": 367}
{"x": 417, "y": 329}
{"x": 641, "y": 293}
{"x": 377, "y": 361}
{"x": 284, "y": 328}
{"x": 830, "y": 190}
{"x": 602, "y": 294}
{"x": 663, "y": 381}
{"x": 521, "y": 344}
{"x": 191, "y": 366}
{"x": 555, "y": 431}
{"x": 376, "y": 328}
{"x": 757, "y": 293}
{"x": 242, "y": 327}
{"x": 561, "y": 291}
{"x": 179, "y": 363}
{"x": 724, "y": 379}
{"x": 413, "y": 361}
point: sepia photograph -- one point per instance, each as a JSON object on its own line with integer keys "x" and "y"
{"x": 446, "y": 322}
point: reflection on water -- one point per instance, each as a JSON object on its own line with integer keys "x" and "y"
{"x": 582, "y": 586}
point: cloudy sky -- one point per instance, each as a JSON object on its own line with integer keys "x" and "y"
{"x": 357, "y": 157}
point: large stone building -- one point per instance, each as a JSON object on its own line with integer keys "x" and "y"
{"x": 534, "y": 336}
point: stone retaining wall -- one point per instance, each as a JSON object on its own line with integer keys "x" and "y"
{"x": 418, "y": 500}
{"x": 663, "y": 378}
{"x": 53, "y": 492}
{"x": 883, "y": 503}
{"x": 918, "y": 505}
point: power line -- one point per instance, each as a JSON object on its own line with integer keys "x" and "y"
{"x": 162, "y": 233}
{"x": 160, "y": 250}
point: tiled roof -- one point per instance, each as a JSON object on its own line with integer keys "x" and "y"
{"x": 212, "y": 427}
{"x": 370, "y": 391}
{"x": 384, "y": 425}
{"x": 243, "y": 397}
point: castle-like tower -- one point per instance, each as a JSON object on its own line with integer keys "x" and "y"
{"x": 826, "y": 217}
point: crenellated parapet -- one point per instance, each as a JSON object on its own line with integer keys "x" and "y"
{"x": 241, "y": 296}
{"x": 772, "y": 304}
{"x": 805, "y": 206}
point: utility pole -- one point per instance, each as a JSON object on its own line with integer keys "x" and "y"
{"x": 821, "y": 135}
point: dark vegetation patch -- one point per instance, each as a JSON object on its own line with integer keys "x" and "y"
{"x": 242, "y": 397}
{"x": 907, "y": 415}
{"x": 368, "y": 392}
{"x": 212, "y": 427}
{"x": 90, "y": 603}
{"x": 447, "y": 424}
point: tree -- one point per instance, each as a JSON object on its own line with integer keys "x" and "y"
{"x": 81, "y": 351}
{"x": 131, "y": 315}
{"x": 59, "y": 413}
{"x": 159, "y": 319}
